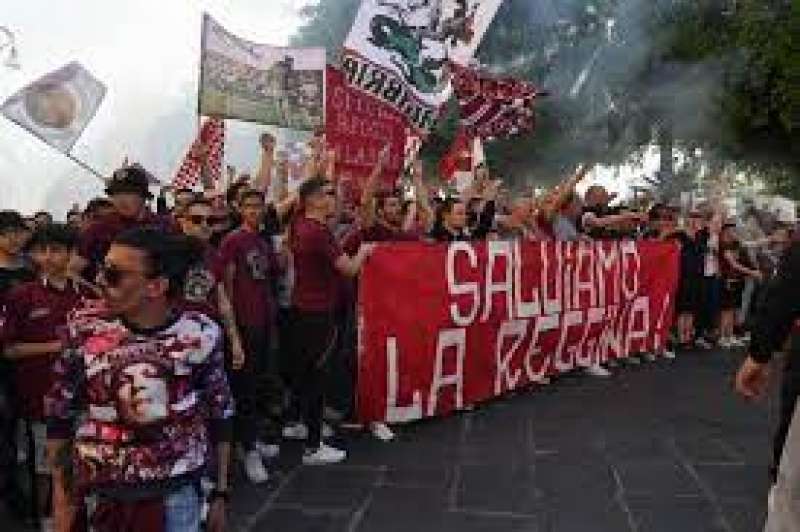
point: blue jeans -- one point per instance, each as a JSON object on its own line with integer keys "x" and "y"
{"x": 182, "y": 510}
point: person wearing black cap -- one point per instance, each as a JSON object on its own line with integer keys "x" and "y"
{"x": 128, "y": 191}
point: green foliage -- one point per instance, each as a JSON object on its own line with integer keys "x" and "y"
{"x": 723, "y": 75}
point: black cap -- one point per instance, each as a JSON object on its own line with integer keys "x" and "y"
{"x": 11, "y": 221}
{"x": 130, "y": 179}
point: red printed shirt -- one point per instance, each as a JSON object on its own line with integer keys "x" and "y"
{"x": 143, "y": 400}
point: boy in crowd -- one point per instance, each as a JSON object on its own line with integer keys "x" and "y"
{"x": 36, "y": 317}
{"x": 14, "y": 270}
{"x": 144, "y": 383}
{"x": 249, "y": 269}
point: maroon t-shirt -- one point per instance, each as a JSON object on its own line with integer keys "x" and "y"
{"x": 38, "y": 314}
{"x": 314, "y": 254}
{"x": 200, "y": 285}
{"x": 256, "y": 270}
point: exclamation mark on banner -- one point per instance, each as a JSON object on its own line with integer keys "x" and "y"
{"x": 660, "y": 324}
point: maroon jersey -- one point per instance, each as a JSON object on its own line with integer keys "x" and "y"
{"x": 37, "y": 314}
{"x": 200, "y": 286}
{"x": 314, "y": 252}
{"x": 256, "y": 270}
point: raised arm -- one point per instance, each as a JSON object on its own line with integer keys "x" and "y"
{"x": 423, "y": 202}
{"x": 560, "y": 193}
{"x": 367, "y": 211}
{"x": 264, "y": 175}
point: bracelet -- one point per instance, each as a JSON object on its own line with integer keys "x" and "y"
{"x": 215, "y": 494}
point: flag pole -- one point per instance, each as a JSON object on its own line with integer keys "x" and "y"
{"x": 85, "y": 166}
{"x": 68, "y": 155}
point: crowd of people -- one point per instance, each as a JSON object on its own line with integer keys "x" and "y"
{"x": 146, "y": 348}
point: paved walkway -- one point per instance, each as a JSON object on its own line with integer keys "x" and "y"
{"x": 660, "y": 447}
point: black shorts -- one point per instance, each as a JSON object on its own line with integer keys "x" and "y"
{"x": 689, "y": 297}
{"x": 732, "y": 290}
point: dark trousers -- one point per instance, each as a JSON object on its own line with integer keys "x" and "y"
{"x": 711, "y": 289}
{"x": 342, "y": 366}
{"x": 9, "y": 488}
{"x": 790, "y": 391}
{"x": 244, "y": 383}
{"x": 312, "y": 338}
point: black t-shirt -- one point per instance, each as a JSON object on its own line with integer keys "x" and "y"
{"x": 693, "y": 252}
{"x": 11, "y": 277}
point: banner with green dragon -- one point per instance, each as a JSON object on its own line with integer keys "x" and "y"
{"x": 400, "y": 51}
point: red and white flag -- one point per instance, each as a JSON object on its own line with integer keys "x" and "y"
{"x": 459, "y": 157}
{"x": 494, "y": 107}
{"x": 202, "y": 165}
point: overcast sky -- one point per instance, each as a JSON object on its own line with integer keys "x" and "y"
{"x": 147, "y": 53}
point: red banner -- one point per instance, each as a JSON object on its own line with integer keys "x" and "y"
{"x": 357, "y": 126}
{"x": 471, "y": 321}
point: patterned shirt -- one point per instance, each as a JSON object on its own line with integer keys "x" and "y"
{"x": 144, "y": 400}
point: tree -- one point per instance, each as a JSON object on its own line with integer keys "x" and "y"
{"x": 720, "y": 74}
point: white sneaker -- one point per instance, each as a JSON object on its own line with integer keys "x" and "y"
{"x": 267, "y": 450}
{"x": 737, "y": 342}
{"x": 254, "y": 467}
{"x": 381, "y": 431}
{"x": 633, "y": 360}
{"x": 47, "y": 524}
{"x": 324, "y": 455}
{"x": 612, "y": 363}
{"x": 649, "y": 357}
{"x": 702, "y": 343}
{"x": 327, "y": 431}
{"x": 668, "y": 354}
{"x": 596, "y": 370}
{"x": 725, "y": 343}
{"x": 295, "y": 431}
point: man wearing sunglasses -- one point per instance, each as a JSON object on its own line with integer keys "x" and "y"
{"x": 144, "y": 383}
{"x": 203, "y": 290}
{"x": 249, "y": 269}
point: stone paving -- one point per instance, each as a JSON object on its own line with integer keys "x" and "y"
{"x": 664, "y": 447}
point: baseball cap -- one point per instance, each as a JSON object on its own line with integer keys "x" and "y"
{"x": 130, "y": 179}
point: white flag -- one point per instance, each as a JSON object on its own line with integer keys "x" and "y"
{"x": 58, "y": 106}
{"x": 400, "y": 51}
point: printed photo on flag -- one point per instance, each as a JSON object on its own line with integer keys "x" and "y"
{"x": 400, "y": 51}
{"x": 258, "y": 82}
{"x": 58, "y": 106}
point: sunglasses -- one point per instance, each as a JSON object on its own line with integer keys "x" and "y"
{"x": 199, "y": 219}
{"x": 330, "y": 192}
{"x": 113, "y": 275}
